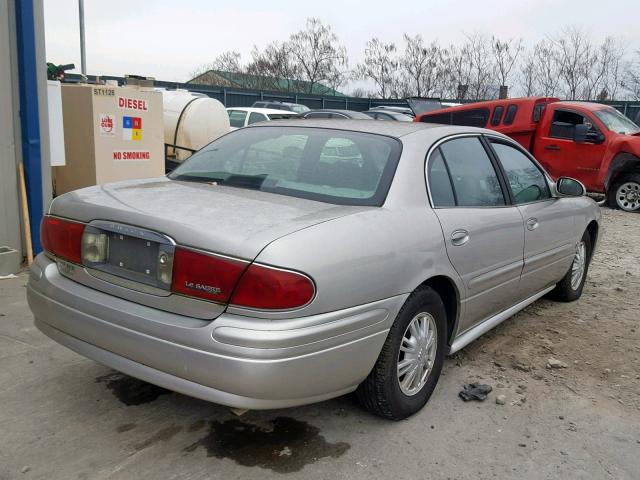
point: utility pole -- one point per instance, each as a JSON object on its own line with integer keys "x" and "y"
{"x": 83, "y": 55}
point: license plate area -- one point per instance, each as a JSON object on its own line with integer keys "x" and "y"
{"x": 129, "y": 252}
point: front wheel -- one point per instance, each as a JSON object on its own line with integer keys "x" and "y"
{"x": 409, "y": 365}
{"x": 571, "y": 286}
{"x": 625, "y": 193}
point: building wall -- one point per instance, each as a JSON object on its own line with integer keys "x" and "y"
{"x": 10, "y": 231}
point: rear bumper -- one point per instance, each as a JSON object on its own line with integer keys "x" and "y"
{"x": 234, "y": 360}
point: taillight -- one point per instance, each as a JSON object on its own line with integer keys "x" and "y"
{"x": 62, "y": 238}
{"x": 206, "y": 276}
{"x": 272, "y": 288}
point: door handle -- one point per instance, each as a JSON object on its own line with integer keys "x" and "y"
{"x": 552, "y": 147}
{"x": 459, "y": 237}
{"x": 532, "y": 224}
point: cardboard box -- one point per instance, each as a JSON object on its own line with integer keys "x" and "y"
{"x": 110, "y": 134}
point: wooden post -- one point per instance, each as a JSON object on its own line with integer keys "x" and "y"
{"x": 24, "y": 210}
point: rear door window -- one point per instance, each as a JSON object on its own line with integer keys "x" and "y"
{"x": 440, "y": 182}
{"x": 473, "y": 176}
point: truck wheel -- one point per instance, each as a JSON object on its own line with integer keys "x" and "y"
{"x": 571, "y": 285}
{"x": 411, "y": 359}
{"x": 625, "y": 193}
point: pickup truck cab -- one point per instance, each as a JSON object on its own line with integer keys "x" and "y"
{"x": 591, "y": 142}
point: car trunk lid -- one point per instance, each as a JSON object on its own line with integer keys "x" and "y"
{"x": 223, "y": 220}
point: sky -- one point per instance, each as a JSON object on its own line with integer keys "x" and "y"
{"x": 168, "y": 40}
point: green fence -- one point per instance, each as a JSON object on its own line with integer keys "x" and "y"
{"x": 235, "y": 97}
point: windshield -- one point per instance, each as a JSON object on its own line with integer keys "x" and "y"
{"x": 616, "y": 121}
{"x": 335, "y": 166}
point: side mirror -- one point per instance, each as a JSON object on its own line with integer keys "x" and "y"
{"x": 569, "y": 187}
{"x": 580, "y": 133}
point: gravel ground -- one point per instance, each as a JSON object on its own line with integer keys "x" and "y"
{"x": 65, "y": 417}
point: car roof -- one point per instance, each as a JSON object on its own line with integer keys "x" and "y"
{"x": 589, "y": 106}
{"x": 390, "y": 129}
{"x": 262, "y": 110}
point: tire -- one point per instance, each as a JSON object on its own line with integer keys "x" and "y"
{"x": 624, "y": 193}
{"x": 381, "y": 392}
{"x": 568, "y": 290}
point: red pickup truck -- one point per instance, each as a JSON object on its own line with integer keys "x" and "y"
{"x": 590, "y": 142}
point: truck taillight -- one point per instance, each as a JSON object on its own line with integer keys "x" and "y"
{"x": 206, "y": 276}
{"x": 271, "y": 288}
{"x": 62, "y": 238}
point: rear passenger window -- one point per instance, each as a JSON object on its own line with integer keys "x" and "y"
{"x": 318, "y": 115}
{"x": 236, "y": 118}
{"x": 497, "y": 115}
{"x": 440, "y": 182}
{"x": 511, "y": 114}
{"x": 255, "y": 117}
{"x": 477, "y": 117}
{"x": 474, "y": 179}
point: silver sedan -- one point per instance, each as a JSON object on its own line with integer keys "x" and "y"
{"x": 291, "y": 262}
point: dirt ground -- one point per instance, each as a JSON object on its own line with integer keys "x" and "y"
{"x": 65, "y": 417}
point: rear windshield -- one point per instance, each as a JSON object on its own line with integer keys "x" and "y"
{"x": 278, "y": 116}
{"x": 334, "y": 166}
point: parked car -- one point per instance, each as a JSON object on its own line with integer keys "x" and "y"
{"x": 394, "y": 108}
{"x": 242, "y": 116}
{"x": 275, "y": 105}
{"x": 294, "y": 261}
{"x": 335, "y": 113}
{"x": 594, "y": 143}
{"x": 388, "y": 115}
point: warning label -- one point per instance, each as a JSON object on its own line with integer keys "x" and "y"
{"x": 131, "y": 128}
{"x": 106, "y": 125}
{"x": 131, "y": 155}
{"x": 132, "y": 103}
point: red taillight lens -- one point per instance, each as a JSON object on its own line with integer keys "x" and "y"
{"x": 271, "y": 288}
{"x": 206, "y": 276}
{"x": 62, "y": 238}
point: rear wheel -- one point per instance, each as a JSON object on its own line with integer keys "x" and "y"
{"x": 407, "y": 370}
{"x": 625, "y": 193}
{"x": 570, "y": 287}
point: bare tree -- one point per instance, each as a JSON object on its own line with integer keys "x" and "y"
{"x": 229, "y": 61}
{"x": 505, "y": 53}
{"x": 379, "y": 65}
{"x": 527, "y": 75}
{"x": 631, "y": 77}
{"x": 547, "y": 68}
{"x": 423, "y": 65}
{"x": 482, "y": 66}
{"x": 457, "y": 62}
{"x": 317, "y": 52}
{"x": 574, "y": 49}
{"x": 603, "y": 76}
{"x": 274, "y": 67}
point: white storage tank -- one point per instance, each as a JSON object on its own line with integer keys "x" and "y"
{"x": 191, "y": 121}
